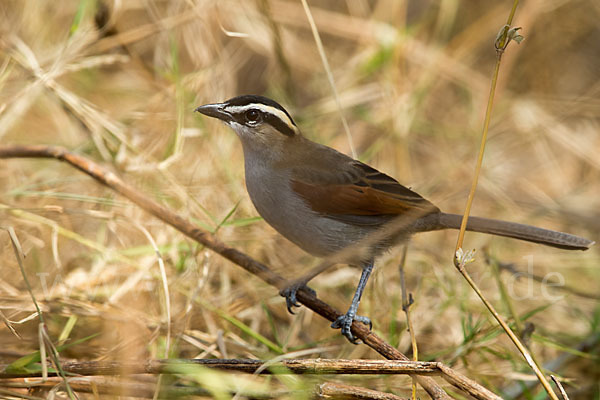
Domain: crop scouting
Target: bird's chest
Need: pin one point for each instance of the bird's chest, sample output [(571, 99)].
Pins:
[(286, 212), (272, 197)]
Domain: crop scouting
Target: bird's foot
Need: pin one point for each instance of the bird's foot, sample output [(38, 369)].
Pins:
[(345, 323), (290, 294)]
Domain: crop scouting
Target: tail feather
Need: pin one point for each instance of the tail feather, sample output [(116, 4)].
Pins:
[(517, 231)]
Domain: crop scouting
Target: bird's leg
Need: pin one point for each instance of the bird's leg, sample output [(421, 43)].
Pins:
[(345, 321)]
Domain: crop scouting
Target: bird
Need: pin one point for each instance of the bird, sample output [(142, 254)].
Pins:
[(325, 201)]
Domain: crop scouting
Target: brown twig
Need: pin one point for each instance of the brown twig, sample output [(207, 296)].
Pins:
[(291, 366), (101, 386), (295, 366), (111, 180), (332, 390), (108, 386)]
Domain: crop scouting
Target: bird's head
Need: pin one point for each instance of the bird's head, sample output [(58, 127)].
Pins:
[(257, 120)]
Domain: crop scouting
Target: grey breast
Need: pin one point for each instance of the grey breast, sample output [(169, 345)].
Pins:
[(286, 212)]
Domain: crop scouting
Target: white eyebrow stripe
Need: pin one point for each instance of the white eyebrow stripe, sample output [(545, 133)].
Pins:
[(265, 108)]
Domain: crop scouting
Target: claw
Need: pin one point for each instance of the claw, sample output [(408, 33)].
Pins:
[(345, 323), (290, 295), (291, 300)]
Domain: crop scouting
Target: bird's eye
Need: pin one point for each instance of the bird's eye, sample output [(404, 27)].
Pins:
[(252, 115)]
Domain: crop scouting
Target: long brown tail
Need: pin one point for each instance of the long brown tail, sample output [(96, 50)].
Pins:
[(517, 231)]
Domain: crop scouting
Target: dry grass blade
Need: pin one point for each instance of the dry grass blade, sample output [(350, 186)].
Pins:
[(407, 301), (9, 325), (560, 387), (44, 339), (166, 296), (317, 37)]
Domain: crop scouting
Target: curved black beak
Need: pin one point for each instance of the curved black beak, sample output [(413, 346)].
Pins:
[(215, 110)]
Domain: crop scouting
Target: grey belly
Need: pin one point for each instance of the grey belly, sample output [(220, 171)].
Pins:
[(292, 218)]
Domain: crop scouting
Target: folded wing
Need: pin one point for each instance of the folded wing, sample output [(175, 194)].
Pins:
[(359, 194)]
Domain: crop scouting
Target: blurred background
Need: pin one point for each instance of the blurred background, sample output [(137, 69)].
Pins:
[(117, 81)]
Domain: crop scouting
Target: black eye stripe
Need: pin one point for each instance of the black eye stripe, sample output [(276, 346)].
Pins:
[(273, 120), (278, 124), (240, 118)]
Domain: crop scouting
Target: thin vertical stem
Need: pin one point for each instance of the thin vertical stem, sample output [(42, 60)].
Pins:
[(407, 301), (461, 258)]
